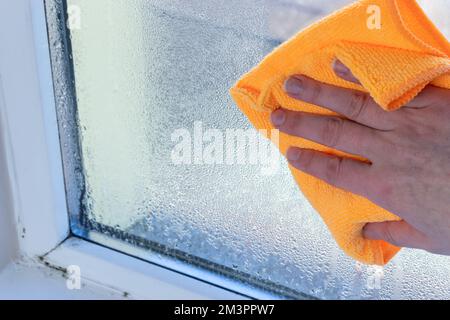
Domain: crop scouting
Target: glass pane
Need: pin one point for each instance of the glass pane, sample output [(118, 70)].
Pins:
[(148, 74)]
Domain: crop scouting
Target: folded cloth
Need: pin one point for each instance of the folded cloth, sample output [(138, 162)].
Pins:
[(393, 63)]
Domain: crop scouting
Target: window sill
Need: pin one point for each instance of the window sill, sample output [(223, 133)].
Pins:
[(31, 281), (105, 274)]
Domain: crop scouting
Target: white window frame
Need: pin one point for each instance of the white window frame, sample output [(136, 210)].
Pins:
[(34, 178)]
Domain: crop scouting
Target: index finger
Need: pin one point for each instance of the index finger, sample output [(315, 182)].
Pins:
[(428, 96), (353, 104)]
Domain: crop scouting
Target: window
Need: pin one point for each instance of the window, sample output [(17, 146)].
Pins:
[(133, 78)]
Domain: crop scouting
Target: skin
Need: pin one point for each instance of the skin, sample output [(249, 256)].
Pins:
[(409, 151)]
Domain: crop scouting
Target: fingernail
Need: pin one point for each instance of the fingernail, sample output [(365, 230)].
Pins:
[(278, 117), (293, 154), (339, 67), (293, 86)]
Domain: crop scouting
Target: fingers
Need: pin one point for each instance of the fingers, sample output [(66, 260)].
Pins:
[(333, 132), (397, 233), (429, 96), (342, 173), (353, 104), (343, 72)]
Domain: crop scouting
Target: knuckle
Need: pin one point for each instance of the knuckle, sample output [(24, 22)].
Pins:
[(364, 186), (332, 131), (295, 123), (315, 89), (381, 190), (306, 159), (333, 170), (388, 234), (423, 129), (358, 103)]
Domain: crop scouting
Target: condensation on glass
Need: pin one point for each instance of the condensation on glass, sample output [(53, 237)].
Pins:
[(135, 71)]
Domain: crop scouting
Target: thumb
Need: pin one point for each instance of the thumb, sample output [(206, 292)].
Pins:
[(397, 233)]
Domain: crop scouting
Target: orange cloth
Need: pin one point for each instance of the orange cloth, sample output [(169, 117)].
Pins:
[(393, 63)]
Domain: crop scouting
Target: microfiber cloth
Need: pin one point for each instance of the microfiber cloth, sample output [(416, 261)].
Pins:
[(393, 63)]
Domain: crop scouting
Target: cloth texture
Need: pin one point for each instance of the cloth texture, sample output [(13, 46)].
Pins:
[(393, 63)]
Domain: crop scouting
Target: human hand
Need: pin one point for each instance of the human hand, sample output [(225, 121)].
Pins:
[(409, 151)]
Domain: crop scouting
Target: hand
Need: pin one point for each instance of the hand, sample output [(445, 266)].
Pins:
[(409, 151)]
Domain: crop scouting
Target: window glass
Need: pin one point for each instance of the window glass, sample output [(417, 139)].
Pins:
[(134, 80)]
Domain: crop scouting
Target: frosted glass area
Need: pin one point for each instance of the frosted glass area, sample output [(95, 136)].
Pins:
[(144, 69)]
